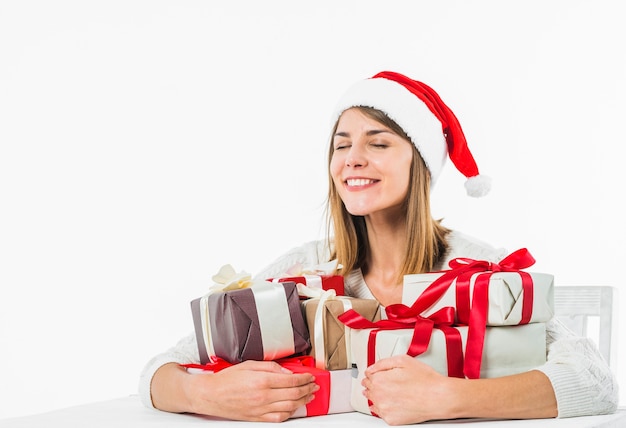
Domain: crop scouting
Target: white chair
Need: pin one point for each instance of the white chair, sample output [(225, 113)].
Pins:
[(580, 307)]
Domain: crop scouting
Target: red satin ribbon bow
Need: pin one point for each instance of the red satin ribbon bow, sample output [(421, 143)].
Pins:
[(470, 312), (404, 317)]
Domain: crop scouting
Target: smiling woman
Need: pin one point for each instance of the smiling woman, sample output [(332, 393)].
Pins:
[(391, 138), (145, 144)]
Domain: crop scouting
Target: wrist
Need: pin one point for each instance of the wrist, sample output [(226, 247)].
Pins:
[(456, 392)]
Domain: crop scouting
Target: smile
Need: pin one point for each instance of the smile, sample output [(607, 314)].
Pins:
[(359, 182)]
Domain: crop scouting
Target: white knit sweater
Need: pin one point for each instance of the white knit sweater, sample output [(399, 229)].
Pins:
[(582, 381)]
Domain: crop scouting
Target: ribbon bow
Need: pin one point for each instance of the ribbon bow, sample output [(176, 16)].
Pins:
[(475, 317), (228, 279), (400, 316)]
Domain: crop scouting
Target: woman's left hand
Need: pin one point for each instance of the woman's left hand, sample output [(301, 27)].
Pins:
[(404, 390)]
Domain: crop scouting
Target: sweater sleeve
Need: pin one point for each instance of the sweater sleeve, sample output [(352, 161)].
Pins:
[(583, 382)]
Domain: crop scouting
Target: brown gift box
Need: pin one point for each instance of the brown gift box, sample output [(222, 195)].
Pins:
[(328, 334)]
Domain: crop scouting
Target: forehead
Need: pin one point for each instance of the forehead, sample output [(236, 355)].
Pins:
[(354, 119)]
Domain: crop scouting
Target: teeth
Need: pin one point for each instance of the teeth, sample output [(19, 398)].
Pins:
[(359, 181)]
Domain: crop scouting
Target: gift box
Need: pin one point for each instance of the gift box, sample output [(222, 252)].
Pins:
[(319, 276), (332, 397), (261, 322), (505, 296), (507, 350), (497, 294), (338, 401), (330, 338), (323, 282)]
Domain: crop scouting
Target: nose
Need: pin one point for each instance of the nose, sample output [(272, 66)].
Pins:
[(356, 157)]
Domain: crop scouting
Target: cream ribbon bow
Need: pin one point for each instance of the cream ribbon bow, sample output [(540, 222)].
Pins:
[(227, 279)]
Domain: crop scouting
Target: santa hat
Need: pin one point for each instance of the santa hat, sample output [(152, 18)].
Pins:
[(428, 122)]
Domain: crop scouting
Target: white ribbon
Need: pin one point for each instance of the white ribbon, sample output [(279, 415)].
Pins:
[(274, 320), (205, 323)]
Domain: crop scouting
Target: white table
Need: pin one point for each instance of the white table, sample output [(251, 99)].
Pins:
[(129, 412)]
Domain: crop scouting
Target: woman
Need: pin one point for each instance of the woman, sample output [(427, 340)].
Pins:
[(391, 138)]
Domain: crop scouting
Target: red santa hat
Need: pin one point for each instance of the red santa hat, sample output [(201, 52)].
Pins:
[(426, 119)]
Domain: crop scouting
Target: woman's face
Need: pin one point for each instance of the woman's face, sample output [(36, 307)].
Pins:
[(370, 165)]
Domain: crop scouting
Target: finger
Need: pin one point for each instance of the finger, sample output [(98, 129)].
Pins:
[(291, 380), (383, 364), (266, 366), (285, 379), (283, 410), (303, 393), (278, 411)]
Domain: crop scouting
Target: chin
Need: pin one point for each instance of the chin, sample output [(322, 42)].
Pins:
[(358, 211)]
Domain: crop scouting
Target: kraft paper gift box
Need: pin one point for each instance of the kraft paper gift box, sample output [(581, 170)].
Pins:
[(509, 297), (330, 338), (507, 350), (332, 397), (261, 322)]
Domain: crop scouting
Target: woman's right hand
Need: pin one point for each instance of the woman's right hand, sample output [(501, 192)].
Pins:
[(249, 391)]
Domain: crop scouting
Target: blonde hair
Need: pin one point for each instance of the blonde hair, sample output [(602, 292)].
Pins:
[(427, 243)]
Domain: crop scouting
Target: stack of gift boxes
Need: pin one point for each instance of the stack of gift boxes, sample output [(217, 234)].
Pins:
[(475, 320)]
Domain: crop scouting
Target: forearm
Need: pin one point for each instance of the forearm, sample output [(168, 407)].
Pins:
[(523, 396), (169, 389)]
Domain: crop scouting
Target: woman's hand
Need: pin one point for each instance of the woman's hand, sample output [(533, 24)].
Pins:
[(249, 391), (404, 390)]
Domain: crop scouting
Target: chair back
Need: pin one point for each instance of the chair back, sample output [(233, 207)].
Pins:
[(587, 311)]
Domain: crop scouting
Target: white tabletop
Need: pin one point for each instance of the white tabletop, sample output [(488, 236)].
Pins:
[(129, 411)]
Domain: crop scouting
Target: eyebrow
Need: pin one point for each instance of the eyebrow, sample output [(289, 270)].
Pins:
[(368, 133)]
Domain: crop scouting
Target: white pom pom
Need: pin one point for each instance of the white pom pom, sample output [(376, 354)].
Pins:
[(478, 186)]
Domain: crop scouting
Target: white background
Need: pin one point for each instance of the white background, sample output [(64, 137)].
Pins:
[(144, 144)]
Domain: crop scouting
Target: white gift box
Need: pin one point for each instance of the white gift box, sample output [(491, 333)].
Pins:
[(340, 389), (507, 350), (505, 296)]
